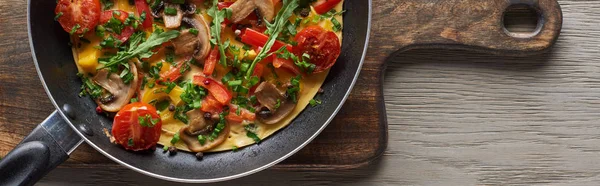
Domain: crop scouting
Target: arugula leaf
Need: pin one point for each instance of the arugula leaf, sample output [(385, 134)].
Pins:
[(215, 29), (142, 50), (273, 30)]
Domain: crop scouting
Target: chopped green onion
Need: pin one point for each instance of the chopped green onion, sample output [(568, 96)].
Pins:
[(175, 138), (170, 11), (234, 83), (194, 31)]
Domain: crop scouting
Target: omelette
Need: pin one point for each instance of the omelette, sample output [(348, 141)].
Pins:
[(201, 75)]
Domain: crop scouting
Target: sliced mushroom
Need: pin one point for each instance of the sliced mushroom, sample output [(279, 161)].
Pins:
[(172, 21), (203, 37), (197, 123), (193, 143), (242, 8), (276, 105), (120, 93), (188, 8), (266, 8), (157, 11), (186, 43)]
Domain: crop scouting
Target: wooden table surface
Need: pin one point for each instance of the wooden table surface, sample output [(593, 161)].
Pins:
[(455, 117)]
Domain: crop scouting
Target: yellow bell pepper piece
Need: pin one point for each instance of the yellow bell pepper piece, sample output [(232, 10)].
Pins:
[(88, 59)]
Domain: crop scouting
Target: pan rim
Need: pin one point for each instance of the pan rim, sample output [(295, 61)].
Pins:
[(211, 180)]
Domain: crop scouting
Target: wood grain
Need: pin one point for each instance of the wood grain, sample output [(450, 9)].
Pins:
[(455, 117)]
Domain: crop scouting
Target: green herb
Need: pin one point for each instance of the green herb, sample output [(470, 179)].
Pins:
[(155, 4), (192, 95), (74, 29), (170, 86), (220, 126), (90, 88), (143, 50), (314, 102), (106, 4), (201, 139), (110, 42), (234, 148), (170, 11), (273, 30), (278, 104), (126, 76), (165, 148), (184, 67), (175, 138), (194, 31), (180, 114), (302, 62), (100, 30), (170, 56), (58, 16), (133, 100), (155, 71), (114, 25), (234, 83), (147, 121), (130, 142), (215, 29), (178, 1), (294, 88), (251, 132), (336, 25)]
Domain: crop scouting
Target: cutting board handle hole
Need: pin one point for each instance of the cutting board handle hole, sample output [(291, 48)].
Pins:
[(522, 21)]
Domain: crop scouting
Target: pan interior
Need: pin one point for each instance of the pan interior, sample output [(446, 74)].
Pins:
[(54, 60)]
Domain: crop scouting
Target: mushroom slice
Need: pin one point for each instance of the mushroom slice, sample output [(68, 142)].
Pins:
[(197, 123), (185, 44), (277, 105), (266, 8), (188, 8), (172, 21), (193, 143), (157, 11), (121, 93), (241, 9), (203, 37)]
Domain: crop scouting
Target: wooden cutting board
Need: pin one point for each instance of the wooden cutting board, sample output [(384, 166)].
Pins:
[(358, 134)]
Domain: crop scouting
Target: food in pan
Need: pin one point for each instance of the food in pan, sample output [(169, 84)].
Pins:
[(201, 75)]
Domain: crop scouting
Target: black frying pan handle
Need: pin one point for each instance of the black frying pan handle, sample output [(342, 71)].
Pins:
[(47, 146)]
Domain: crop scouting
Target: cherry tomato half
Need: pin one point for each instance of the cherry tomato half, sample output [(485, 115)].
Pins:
[(133, 135), (322, 46), (78, 15)]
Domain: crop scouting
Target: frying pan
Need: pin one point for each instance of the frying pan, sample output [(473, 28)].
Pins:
[(75, 119)]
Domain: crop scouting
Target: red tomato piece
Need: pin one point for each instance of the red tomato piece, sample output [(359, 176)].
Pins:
[(174, 72), (129, 133), (323, 6), (121, 16), (257, 39), (258, 70), (215, 88), (286, 64), (322, 46), (78, 15), (106, 15), (222, 5), (244, 114), (142, 7), (211, 105), (211, 61)]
